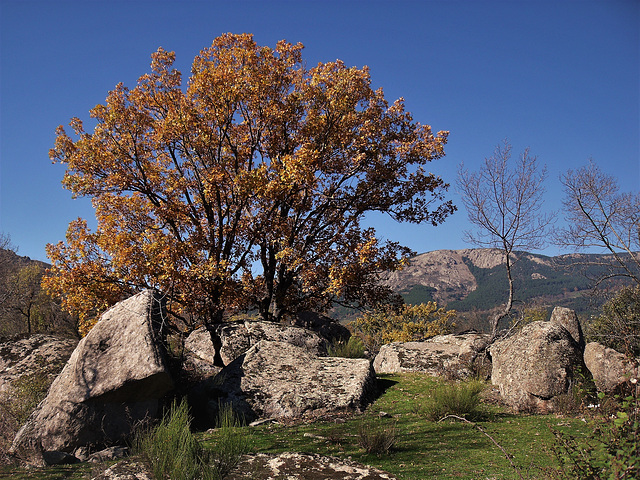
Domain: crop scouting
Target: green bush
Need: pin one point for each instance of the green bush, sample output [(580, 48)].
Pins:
[(174, 452), (611, 452), (353, 348), (618, 326), (27, 392), (461, 399), (230, 445)]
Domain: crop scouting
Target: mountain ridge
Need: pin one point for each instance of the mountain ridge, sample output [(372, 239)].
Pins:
[(475, 279)]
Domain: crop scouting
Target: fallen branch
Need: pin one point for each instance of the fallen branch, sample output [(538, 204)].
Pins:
[(489, 437)]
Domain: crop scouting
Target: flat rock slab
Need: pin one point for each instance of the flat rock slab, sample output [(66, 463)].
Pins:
[(438, 355), (113, 379), (280, 380), (297, 466), (125, 470), (289, 466)]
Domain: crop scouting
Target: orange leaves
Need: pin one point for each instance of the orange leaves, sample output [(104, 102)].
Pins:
[(256, 160)]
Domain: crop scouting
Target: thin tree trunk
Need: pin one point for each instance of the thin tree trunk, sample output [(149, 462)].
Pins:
[(508, 306)]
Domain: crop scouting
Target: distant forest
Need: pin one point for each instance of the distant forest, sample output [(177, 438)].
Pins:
[(548, 284)]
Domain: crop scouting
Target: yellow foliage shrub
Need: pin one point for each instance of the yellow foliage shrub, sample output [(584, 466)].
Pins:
[(413, 323)]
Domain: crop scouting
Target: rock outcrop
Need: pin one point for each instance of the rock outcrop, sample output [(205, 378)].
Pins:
[(443, 355), (292, 466), (569, 320), (535, 365), (610, 369), (280, 380), (298, 466), (40, 354), (238, 337), (114, 379), (326, 327), (28, 366)]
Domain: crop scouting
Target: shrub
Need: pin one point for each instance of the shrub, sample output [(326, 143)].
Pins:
[(376, 438), (230, 444), (26, 393), (611, 452), (527, 315), (353, 348), (174, 452), (412, 323), (618, 326), (582, 393), (461, 399)]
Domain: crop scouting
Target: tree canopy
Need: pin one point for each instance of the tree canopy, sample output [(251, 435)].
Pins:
[(244, 189)]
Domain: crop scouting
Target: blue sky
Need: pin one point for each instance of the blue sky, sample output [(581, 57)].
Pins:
[(560, 77)]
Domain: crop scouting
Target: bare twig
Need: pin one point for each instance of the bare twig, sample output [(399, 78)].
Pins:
[(489, 437)]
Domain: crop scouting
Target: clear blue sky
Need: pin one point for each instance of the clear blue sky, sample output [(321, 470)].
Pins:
[(560, 77)]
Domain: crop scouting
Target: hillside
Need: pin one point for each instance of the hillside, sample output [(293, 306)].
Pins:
[(474, 280)]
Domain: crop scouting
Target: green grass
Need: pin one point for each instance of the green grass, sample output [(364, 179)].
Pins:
[(428, 449), (422, 448), (61, 472)]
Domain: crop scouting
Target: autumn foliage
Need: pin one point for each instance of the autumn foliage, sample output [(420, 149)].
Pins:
[(244, 189), (411, 323)]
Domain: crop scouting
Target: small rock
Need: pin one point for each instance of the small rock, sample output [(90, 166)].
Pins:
[(111, 453)]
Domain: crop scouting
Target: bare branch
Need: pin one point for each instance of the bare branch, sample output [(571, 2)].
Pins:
[(504, 202), (598, 215)]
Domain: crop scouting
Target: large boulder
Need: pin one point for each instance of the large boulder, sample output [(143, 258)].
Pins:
[(610, 369), (280, 380), (113, 380), (236, 338), (442, 355), (535, 365), (199, 360)]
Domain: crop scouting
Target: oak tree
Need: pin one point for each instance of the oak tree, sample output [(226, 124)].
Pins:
[(244, 189), (504, 202)]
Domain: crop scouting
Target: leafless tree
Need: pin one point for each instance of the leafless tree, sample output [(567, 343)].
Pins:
[(504, 202), (598, 215)]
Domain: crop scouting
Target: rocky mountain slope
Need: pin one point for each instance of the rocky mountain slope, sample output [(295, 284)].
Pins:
[(475, 279)]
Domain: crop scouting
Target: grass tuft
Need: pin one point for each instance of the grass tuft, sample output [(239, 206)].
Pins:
[(376, 438), (172, 450), (462, 399), (353, 348)]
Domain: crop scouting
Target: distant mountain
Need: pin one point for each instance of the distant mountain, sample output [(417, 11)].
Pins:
[(474, 280)]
